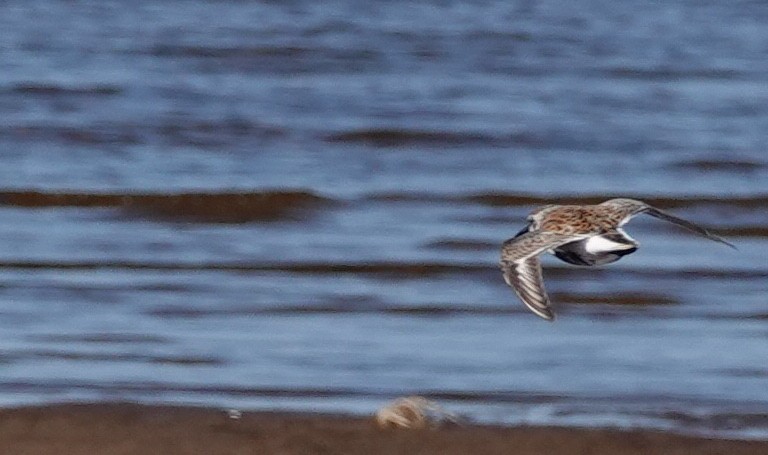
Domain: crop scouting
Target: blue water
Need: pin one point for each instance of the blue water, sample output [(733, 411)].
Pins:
[(294, 205)]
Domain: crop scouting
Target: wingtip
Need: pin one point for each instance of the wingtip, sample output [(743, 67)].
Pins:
[(724, 242), (548, 316)]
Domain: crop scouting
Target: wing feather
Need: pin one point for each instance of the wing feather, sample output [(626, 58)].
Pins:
[(522, 268), (526, 279), (631, 207), (662, 215)]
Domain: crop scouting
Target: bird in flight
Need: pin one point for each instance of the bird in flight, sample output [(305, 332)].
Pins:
[(586, 235)]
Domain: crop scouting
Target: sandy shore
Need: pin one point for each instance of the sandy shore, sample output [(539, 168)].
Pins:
[(132, 429)]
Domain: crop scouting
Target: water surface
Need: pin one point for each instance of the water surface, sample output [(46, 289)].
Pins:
[(299, 206)]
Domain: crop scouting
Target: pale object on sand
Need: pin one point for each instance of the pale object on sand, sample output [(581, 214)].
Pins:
[(413, 413)]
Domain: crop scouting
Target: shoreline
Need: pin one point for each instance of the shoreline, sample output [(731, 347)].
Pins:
[(123, 428)]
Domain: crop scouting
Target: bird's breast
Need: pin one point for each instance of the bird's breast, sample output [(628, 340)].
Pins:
[(596, 250), (606, 244)]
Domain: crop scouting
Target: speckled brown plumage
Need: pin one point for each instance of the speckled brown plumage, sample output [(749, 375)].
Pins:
[(578, 234)]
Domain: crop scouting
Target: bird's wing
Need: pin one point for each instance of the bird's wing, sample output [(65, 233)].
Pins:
[(632, 207), (526, 279), (522, 268), (657, 213)]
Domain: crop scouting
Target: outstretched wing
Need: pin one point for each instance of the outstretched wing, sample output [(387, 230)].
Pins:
[(522, 268), (657, 213), (632, 207), (526, 279)]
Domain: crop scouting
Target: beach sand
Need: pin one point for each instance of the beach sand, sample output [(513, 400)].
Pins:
[(135, 429)]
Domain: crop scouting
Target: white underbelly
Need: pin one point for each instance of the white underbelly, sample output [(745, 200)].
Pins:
[(599, 244)]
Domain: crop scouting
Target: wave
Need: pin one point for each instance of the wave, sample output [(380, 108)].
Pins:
[(720, 165), (190, 207), (192, 51), (32, 88), (198, 133), (384, 270), (93, 135), (101, 338), (215, 132), (180, 312), (625, 298), (280, 59), (155, 387), (278, 392), (437, 310), (400, 137), (256, 205), (111, 357), (718, 421), (672, 74), (527, 200)]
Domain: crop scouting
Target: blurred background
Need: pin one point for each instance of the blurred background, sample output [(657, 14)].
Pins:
[(299, 205)]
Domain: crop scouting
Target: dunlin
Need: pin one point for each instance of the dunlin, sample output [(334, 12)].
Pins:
[(586, 235)]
